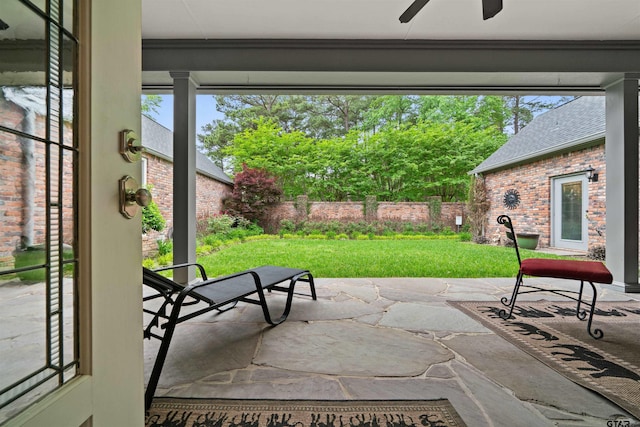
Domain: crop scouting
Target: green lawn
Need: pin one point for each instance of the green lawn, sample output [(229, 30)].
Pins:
[(370, 258)]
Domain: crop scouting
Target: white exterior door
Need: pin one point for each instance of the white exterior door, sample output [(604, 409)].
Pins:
[(570, 201)]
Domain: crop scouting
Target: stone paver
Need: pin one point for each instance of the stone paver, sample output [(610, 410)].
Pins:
[(531, 380), (429, 317), (348, 349), (202, 349), (383, 339)]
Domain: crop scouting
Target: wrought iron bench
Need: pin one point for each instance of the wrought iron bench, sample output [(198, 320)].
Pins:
[(584, 271), (220, 294)]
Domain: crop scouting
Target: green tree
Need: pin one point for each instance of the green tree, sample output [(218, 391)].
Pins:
[(483, 111), (269, 147), (524, 108), (150, 104), (396, 110), (428, 159), (342, 112), (216, 136)]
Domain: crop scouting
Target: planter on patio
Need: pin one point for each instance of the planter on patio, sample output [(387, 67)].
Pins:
[(526, 240)]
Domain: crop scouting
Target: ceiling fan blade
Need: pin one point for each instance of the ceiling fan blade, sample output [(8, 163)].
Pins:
[(490, 8), (412, 10)]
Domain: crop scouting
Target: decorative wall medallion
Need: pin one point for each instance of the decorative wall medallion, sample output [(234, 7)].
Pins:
[(511, 199)]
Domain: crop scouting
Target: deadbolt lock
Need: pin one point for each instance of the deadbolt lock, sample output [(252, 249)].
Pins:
[(132, 197), (130, 146)]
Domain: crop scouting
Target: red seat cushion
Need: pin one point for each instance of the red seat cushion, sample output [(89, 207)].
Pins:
[(592, 271)]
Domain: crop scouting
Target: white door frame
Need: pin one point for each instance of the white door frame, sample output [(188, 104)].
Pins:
[(556, 213)]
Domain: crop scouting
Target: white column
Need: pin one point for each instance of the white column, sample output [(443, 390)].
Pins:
[(621, 149), (184, 173)]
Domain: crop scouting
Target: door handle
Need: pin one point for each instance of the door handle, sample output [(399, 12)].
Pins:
[(132, 197), (130, 146)]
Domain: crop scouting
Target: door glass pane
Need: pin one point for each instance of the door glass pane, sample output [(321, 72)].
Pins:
[(38, 203), (572, 211)]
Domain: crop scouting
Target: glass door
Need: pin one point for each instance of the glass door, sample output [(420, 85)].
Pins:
[(569, 211)]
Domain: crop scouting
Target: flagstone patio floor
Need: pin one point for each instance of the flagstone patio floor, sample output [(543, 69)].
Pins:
[(386, 339)]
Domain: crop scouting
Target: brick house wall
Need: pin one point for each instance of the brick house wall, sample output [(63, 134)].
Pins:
[(10, 189), (12, 212), (534, 180), (210, 195)]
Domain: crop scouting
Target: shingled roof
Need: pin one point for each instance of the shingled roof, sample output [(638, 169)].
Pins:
[(578, 123), (158, 140)]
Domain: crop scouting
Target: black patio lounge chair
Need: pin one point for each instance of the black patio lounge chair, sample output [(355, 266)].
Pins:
[(584, 271), (221, 294)]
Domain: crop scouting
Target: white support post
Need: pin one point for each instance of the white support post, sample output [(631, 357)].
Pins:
[(621, 148), (184, 174)]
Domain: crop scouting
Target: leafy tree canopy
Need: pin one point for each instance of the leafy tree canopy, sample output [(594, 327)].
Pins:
[(150, 104), (396, 147)]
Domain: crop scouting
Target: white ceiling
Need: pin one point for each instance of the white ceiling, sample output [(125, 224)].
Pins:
[(446, 20), (378, 19)]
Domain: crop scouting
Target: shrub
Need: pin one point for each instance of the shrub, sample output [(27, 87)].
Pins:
[(220, 224), (149, 263), (254, 191), (465, 236), (203, 250), (211, 240), (164, 246), (152, 219), (287, 226), (165, 259)]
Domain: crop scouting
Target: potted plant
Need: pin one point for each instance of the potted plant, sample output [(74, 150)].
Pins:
[(526, 240)]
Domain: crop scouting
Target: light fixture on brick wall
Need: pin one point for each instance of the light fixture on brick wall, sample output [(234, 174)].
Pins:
[(592, 175)]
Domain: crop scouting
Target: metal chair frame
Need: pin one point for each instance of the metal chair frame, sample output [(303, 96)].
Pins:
[(220, 294), (581, 313)]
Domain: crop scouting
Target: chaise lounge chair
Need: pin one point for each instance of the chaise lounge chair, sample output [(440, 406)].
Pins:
[(221, 294)]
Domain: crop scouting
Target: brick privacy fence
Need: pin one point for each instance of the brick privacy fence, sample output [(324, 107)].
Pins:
[(209, 196), (414, 212), (533, 181)]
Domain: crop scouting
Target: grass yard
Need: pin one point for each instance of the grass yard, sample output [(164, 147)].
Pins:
[(371, 258)]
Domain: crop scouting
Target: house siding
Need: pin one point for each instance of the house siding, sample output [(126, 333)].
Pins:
[(533, 181), (210, 195)]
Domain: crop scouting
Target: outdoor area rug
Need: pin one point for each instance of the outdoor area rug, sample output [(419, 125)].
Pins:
[(550, 332), (178, 412)]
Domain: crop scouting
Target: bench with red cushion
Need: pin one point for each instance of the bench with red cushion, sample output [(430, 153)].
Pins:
[(584, 271), (591, 271)]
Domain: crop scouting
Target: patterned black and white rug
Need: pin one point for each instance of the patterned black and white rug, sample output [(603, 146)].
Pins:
[(551, 332), (177, 412)]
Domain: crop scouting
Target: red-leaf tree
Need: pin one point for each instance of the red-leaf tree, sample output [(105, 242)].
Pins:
[(254, 191)]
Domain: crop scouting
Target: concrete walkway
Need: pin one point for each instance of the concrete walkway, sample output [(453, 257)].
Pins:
[(383, 339)]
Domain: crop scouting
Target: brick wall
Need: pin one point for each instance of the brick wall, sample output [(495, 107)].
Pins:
[(10, 197), (534, 180), (209, 196), (12, 171), (415, 212)]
